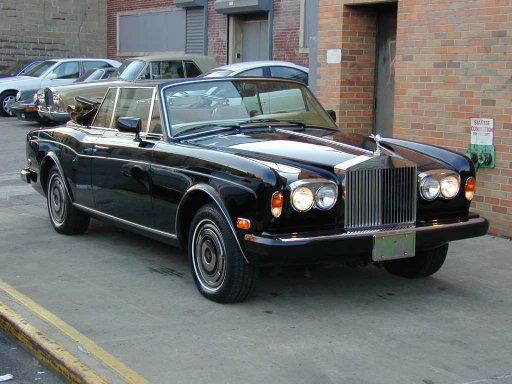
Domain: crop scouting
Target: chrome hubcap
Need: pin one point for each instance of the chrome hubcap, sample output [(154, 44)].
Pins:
[(209, 255), (57, 200), (7, 102)]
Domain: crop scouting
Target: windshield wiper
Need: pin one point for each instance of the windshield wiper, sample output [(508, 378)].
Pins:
[(217, 128), (299, 124)]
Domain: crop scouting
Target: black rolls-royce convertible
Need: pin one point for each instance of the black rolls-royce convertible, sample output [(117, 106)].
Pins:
[(247, 172)]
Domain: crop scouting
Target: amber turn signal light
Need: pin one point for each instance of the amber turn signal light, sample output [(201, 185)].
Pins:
[(243, 223), (470, 188), (277, 204)]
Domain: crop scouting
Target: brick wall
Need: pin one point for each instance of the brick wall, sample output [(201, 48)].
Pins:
[(347, 87), (217, 34), (453, 65), (58, 28), (286, 30), (454, 62)]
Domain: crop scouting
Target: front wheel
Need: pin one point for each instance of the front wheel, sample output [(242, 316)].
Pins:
[(220, 271), (424, 264), (65, 218), (6, 100)]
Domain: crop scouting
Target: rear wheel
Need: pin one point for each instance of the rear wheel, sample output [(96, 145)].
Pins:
[(6, 100), (65, 218), (424, 264), (220, 271)]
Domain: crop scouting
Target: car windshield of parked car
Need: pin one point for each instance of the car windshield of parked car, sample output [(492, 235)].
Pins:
[(19, 68), (40, 69), (199, 107), (132, 70), (219, 73)]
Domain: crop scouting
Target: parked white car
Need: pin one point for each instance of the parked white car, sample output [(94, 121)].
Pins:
[(268, 68), (52, 72)]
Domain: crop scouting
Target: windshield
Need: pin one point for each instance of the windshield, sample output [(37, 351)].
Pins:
[(40, 69), (131, 70), (20, 67), (219, 73), (92, 75), (205, 105)]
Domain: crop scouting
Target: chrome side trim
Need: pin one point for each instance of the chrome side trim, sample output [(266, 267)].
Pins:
[(152, 165), (353, 234), (126, 222)]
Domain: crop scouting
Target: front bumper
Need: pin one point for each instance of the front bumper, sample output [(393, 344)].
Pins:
[(350, 247), (27, 112), (58, 117), (28, 175)]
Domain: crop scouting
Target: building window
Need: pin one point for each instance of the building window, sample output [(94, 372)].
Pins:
[(305, 25)]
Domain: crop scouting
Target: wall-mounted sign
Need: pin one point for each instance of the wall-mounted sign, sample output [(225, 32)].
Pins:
[(482, 131), (333, 56)]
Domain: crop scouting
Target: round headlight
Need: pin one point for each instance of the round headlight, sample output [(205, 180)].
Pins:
[(449, 186), (429, 188), (57, 100), (39, 98), (326, 197), (302, 199)]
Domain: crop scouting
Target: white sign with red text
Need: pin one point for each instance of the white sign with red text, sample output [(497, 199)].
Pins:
[(482, 131)]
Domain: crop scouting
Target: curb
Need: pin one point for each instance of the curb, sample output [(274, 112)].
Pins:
[(53, 353), (46, 350)]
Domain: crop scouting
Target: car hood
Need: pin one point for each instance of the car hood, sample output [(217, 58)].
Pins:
[(320, 148), (17, 79)]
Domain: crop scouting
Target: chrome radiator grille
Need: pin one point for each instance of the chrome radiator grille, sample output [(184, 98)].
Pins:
[(48, 98), (380, 197)]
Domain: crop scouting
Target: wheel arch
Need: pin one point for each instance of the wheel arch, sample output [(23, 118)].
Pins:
[(47, 163), (196, 197), (12, 90)]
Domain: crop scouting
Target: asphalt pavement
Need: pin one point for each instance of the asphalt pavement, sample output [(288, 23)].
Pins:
[(126, 308)]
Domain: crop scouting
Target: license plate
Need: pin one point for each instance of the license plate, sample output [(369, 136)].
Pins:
[(393, 246)]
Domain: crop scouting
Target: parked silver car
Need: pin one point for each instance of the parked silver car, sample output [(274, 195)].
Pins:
[(49, 72), (268, 68)]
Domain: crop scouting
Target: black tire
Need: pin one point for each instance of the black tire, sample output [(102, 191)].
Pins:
[(220, 271), (6, 99), (65, 218), (424, 264)]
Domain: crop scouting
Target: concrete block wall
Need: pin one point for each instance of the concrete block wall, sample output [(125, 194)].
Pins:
[(52, 28)]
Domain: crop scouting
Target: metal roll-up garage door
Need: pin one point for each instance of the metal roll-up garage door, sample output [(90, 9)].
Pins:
[(195, 31)]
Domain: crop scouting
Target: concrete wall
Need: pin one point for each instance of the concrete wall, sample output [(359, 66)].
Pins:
[(52, 28), (453, 63)]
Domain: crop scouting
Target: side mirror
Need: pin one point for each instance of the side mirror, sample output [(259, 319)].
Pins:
[(332, 114), (51, 76), (130, 125)]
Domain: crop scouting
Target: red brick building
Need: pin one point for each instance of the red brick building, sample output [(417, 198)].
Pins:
[(415, 69), (424, 78), (218, 27)]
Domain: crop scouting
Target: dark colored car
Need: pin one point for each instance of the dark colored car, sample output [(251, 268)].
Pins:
[(20, 67), (28, 110), (245, 172)]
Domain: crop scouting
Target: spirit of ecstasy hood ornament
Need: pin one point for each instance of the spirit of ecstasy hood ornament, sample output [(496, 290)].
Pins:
[(377, 138)]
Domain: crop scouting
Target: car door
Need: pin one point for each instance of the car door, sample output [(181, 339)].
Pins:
[(121, 180)]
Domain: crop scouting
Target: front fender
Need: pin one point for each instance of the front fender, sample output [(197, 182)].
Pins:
[(196, 196), (47, 163)]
